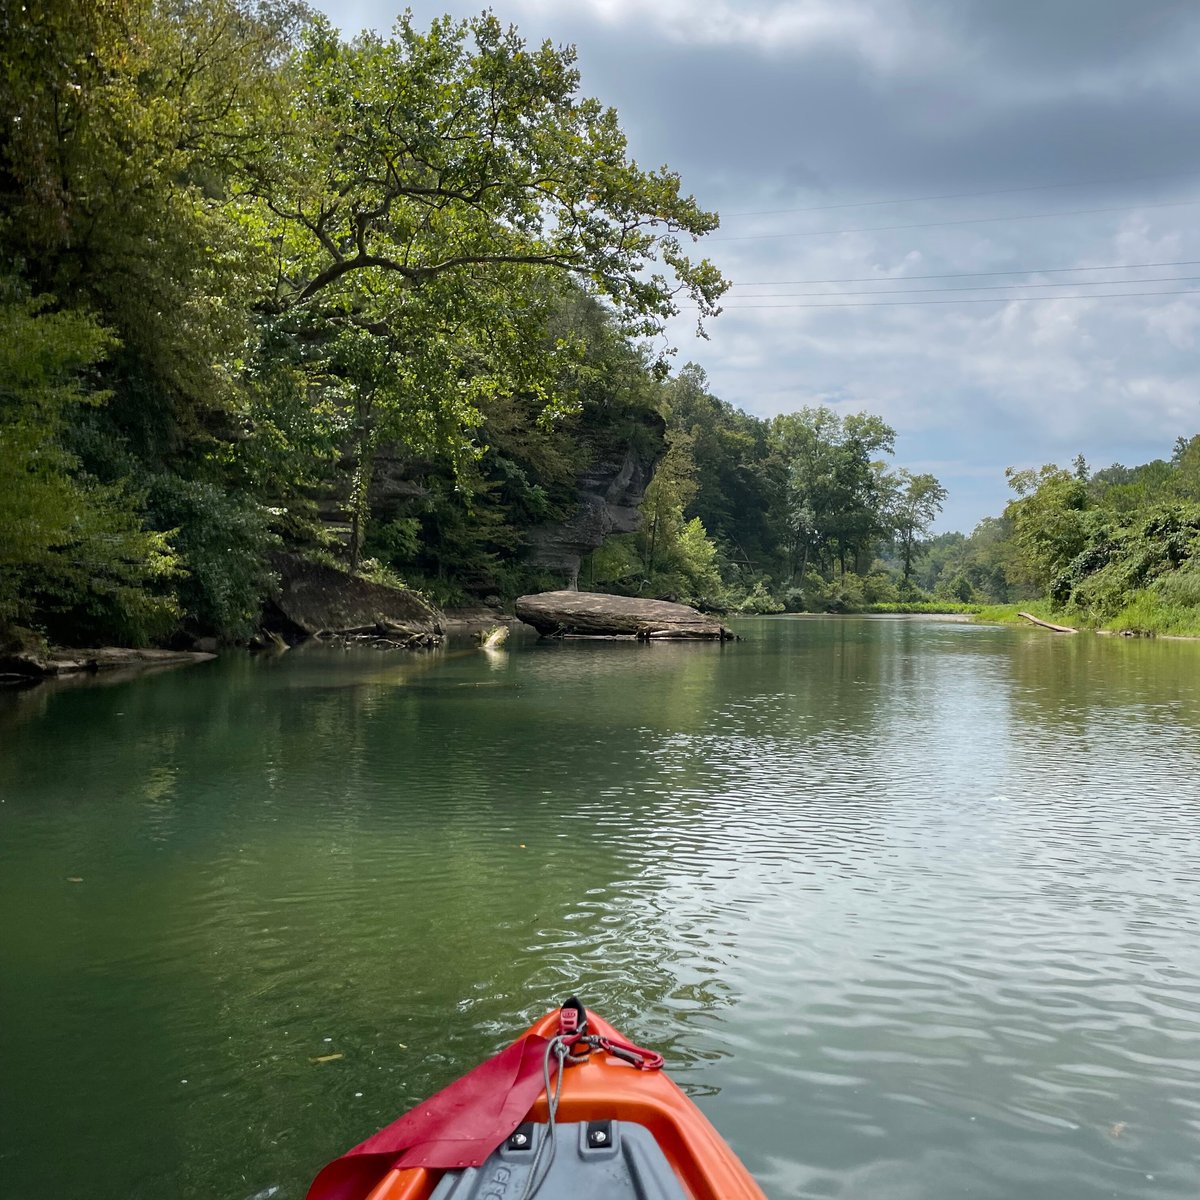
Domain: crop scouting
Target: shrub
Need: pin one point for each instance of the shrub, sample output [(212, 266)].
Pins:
[(222, 540), (759, 601)]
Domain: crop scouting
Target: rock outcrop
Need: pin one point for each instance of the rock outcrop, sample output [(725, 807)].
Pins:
[(609, 494), (315, 599), (565, 613)]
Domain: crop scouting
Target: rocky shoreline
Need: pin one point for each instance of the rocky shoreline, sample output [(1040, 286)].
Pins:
[(321, 603)]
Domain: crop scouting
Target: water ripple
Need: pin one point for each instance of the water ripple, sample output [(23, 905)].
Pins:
[(912, 908)]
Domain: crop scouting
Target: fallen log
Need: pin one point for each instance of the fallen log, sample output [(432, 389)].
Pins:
[(708, 631), (1046, 624)]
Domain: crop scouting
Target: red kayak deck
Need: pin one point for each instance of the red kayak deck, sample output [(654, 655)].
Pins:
[(602, 1088)]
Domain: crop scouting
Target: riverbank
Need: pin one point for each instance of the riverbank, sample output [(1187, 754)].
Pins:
[(1146, 615)]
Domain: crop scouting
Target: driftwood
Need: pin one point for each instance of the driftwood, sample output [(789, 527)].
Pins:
[(705, 631), (1046, 624)]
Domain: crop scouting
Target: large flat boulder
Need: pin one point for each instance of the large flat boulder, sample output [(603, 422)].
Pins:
[(598, 615)]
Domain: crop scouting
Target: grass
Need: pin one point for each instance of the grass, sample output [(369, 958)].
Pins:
[(1007, 614), (933, 607), (1148, 613)]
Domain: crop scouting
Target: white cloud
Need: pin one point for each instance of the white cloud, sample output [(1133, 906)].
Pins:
[(770, 27)]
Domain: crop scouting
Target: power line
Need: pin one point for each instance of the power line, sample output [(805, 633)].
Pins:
[(1070, 212), (988, 287), (1037, 187), (975, 300), (1187, 262)]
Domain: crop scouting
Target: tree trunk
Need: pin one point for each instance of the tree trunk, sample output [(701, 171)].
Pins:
[(360, 496), (653, 539)]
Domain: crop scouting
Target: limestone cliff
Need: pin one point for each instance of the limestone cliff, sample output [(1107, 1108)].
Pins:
[(609, 492)]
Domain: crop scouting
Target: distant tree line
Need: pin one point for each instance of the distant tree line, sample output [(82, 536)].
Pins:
[(799, 511), (1117, 547)]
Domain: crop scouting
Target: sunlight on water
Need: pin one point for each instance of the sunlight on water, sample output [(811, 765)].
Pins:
[(911, 907)]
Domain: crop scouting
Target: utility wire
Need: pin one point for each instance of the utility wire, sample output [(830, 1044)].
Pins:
[(987, 287), (973, 300), (1037, 187), (1070, 212), (1188, 262)]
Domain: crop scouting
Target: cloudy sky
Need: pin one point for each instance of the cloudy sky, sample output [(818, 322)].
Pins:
[(1041, 149)]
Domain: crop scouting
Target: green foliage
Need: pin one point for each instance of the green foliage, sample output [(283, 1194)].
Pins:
[(880, 587), (979, 567), (613, 566), (440, 592), (837, 495), (1181, 587), (316, 255), (1149, 612), (222, 540), (1008, 614), (1051, 520), (373, 571), (428, 199), (917, 502), (738, 475), (71, 547), (696, 562), (1119, 561), (760, 602), (923, 607), (454, 151)]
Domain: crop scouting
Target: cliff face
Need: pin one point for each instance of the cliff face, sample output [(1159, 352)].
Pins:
[(622, 446), (609, 494)]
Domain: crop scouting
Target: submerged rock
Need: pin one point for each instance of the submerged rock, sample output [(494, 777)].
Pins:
[(45, 664), (594, 614)]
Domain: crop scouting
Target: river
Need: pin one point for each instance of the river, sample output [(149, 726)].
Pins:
[(912, 907)]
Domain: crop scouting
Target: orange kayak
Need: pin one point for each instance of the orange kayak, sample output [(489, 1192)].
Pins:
[(569, 1110)]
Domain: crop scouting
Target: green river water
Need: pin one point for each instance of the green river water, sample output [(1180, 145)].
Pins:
[(911, 907)]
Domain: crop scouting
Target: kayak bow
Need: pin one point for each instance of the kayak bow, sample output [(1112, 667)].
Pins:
[(570, 1109)]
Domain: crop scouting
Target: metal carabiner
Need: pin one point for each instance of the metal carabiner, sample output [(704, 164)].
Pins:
[(644, 1060)]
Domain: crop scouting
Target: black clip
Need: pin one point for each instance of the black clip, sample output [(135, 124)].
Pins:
[(521, 1138), (599, 1135)]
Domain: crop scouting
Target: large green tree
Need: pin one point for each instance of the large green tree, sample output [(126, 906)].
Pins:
[(919, 499), (836, 496), (424, 190), (122, 123)]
